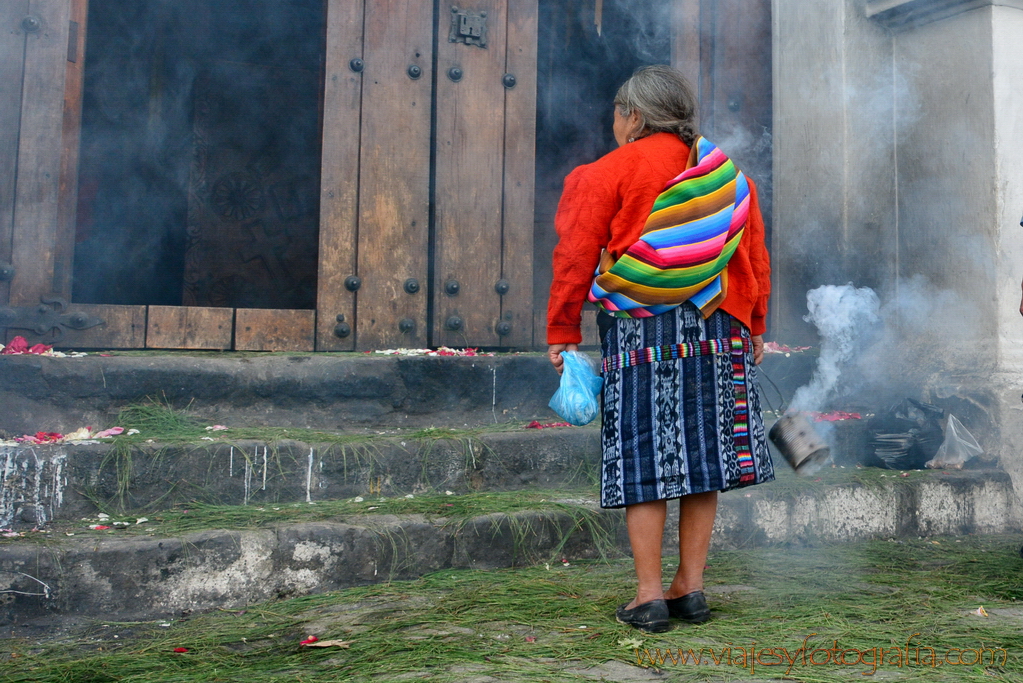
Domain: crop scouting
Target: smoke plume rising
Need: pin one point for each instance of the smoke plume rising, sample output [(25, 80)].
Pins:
[(842, 315)]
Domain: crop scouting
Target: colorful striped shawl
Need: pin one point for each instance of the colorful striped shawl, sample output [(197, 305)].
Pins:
[(693, 229)]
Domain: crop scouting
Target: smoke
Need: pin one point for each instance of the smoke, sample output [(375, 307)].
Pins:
[(927, 334), (842, 315), (750, 149), (876, 353)]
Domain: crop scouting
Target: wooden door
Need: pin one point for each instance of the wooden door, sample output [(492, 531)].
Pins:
[(426, 179), (724, 46), (375, 287), (375, 220), (486, 125), (41, 68), (43, 48)]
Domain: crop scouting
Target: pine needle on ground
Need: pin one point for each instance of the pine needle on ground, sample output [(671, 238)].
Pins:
[(555, 623)]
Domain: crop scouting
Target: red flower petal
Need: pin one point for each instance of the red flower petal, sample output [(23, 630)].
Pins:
[(536, 425), (181, 649), (17, 345), (310, 639)]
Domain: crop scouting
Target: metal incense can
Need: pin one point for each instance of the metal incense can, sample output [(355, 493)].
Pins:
[(797, 440)]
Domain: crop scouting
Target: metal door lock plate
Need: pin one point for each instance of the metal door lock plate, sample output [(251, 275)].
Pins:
[(468, 27)]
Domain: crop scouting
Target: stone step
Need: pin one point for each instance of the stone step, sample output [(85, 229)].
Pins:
[(322, 391), (66, 481), (127, 575), (319, 391), (41, 483)]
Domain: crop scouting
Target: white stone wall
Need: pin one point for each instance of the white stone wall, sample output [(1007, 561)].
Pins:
[(1007, 70), (834, 170), (899, 166), (946, 174)]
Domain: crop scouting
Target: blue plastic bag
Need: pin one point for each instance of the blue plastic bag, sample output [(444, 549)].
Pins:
[(576, 401)]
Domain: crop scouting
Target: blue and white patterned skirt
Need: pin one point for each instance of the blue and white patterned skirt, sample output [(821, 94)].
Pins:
[(682, 426)]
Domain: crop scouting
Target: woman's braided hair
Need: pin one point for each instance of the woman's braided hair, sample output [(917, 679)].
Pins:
[(664, 100)]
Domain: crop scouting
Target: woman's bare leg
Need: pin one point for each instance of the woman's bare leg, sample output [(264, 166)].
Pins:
[(695, 524), (645, 522)]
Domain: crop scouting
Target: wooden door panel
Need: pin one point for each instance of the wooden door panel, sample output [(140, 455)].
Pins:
[(519, 177), (189, 327), (685, 39), (339, 176), (39, 152), (12, 64), (257, 329), (469, 182), (74, 80), (394, 175), (123, 327), (375, 184)]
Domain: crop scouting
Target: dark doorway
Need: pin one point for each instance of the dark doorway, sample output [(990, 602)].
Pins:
[(586, 50), (200, 153)]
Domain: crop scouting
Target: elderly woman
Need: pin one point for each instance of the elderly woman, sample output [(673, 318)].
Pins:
[(665, 235)]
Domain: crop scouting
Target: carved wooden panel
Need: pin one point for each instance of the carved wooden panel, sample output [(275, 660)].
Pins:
[(253, 190)]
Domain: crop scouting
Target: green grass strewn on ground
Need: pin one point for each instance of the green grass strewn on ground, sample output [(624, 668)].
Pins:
[(554, 623), (439, 508), (156, 420)]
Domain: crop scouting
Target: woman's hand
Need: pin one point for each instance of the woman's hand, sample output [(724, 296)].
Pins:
[(554, 354), (758, 348)]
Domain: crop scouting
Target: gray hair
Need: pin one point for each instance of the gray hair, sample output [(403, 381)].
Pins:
[(664, 100)]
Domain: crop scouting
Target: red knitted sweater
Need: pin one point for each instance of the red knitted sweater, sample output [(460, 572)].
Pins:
[(606, 204)]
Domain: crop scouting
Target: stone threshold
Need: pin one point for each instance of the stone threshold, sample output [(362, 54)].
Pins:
[(321, 391)]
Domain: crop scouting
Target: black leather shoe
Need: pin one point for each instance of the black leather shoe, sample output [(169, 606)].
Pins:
[(651, 617), (692, 608)]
